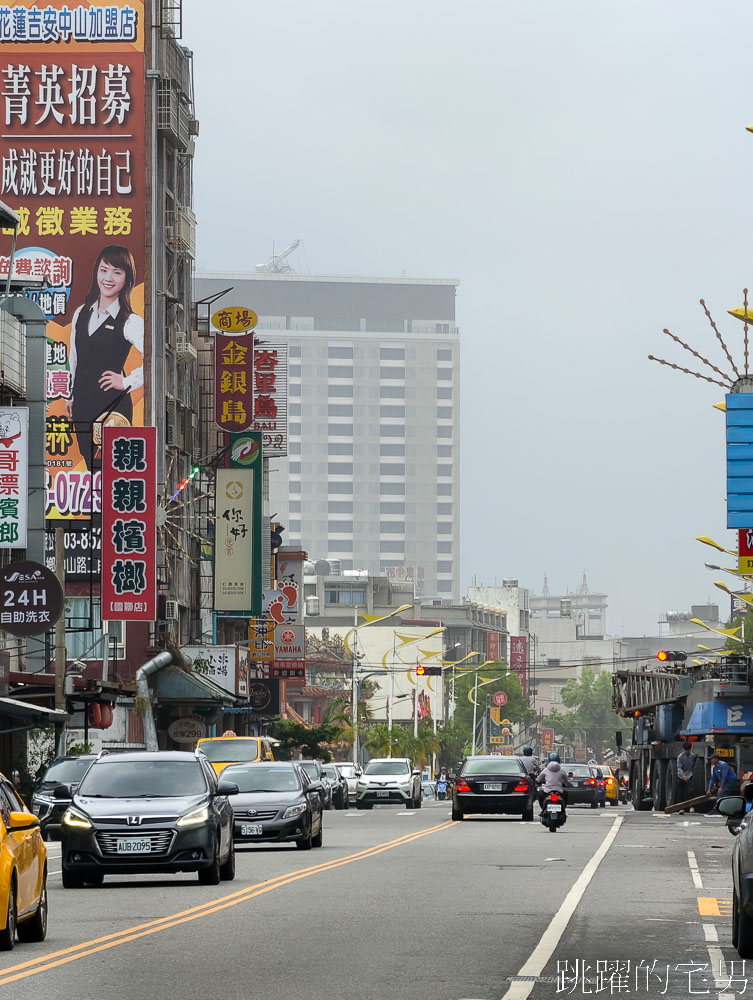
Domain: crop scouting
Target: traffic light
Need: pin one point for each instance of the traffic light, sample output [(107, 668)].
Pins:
[(422, 671), (276, 536), (671, 655)]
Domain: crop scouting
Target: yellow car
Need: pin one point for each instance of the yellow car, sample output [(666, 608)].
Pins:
[(613, 788), (232, 749), (23, 872)]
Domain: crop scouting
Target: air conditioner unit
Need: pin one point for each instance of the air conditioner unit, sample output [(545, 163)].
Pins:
[(172, 611), (169, 233), (173, 428), (185, 352)]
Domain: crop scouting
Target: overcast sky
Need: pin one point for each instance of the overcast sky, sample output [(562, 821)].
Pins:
[(583, 168)]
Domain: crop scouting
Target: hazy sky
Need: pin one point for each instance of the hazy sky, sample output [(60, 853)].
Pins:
[(583, 168)]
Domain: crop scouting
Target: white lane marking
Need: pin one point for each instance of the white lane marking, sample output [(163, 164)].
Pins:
[(716, 957), (544, 950), (693, 865)]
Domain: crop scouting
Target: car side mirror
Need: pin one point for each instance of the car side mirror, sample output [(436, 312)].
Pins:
[(571, 774), (732, 806), (22, 821), (61, 792), (227, 788)]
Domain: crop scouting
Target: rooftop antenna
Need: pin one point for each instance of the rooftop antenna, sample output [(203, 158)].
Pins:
[(545, 588)]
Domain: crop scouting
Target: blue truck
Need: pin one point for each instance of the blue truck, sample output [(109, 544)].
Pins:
[(710, 704)]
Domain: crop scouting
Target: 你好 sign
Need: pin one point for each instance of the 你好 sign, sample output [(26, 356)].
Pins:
[(290, 642), (233, 382), (234, 540), (14, 476), (31, 598), (129, 524)]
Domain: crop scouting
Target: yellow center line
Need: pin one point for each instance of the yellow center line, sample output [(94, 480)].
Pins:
[(46, 962)]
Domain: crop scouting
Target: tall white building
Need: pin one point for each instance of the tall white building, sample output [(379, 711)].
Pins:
[(372, 474)]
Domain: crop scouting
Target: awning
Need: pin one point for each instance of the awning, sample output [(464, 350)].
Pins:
[(24, 710), (174, 684)]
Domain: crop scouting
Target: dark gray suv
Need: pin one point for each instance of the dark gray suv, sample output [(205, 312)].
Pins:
[(146, 813)]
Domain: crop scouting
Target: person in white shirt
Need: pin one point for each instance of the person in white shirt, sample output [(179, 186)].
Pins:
[(104, 331)]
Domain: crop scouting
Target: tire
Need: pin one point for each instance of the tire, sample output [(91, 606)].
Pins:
[(360, 805), (35, 928), (744, 932), (671, 785), (8, 935), (97, 878), (614, 802), (553, 826), (457, 815), (305, 844), (417, 804), (528, 815), (318, 839), (211, 875), (71, 880), (227, 870), (602, 805), (595, 804), (735, 919), (346, 802), (637, 789), (410, 804), (658, 785)]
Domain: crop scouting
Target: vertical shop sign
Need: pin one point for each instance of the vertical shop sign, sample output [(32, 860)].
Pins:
[(129, 524), (14, 476), (271, 398), (72, 165), (519, 659), (233, 551), (492, 645), (233, 381)]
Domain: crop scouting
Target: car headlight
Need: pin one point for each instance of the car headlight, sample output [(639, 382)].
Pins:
[(293, 811), (75, 819), (363, 784), (44, 798), (195, 818)]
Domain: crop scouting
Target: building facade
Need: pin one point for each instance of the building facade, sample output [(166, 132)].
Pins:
[(373, 469)]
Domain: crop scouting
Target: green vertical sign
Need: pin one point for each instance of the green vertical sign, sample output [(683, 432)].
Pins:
[(246, 453)]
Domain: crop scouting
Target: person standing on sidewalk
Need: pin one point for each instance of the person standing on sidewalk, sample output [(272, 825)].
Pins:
[(686, 765)]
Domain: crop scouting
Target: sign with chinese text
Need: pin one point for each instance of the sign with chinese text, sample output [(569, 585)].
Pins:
[(408, 574), (745, 551), (519, 659), (499, 698), (283, 604), (32, 598), (233, 382), (73, 167), (217, 663), (235, 319), (14, 476), (129, 524), (234, 550), (264, 696), (492, 645), (187, 729), (271, 398), (547, 739), (83, 550), (261, 640), (290, 642), (288, 669)]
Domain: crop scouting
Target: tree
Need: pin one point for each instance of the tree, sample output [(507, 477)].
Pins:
[(380, 742), (591, 715), (517, 709), (311, 741)]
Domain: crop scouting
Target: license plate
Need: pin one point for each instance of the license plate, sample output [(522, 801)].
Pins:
[(555, 809), (251, 829), (493, 786), (134, 845), (383, 795)]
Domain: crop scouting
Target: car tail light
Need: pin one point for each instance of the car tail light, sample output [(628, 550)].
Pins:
[(610, 781), (462, 787), (554, 797), (522, 787), (602, 784), (591, 781)]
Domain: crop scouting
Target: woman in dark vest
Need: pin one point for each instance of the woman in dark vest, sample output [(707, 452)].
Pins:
[(104, 330)]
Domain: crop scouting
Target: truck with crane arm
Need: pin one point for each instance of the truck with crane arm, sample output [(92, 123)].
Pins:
[(709, 704)]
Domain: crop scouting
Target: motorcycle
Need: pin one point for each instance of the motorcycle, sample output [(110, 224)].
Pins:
[(441, 789), (553, 813), (624, 790)]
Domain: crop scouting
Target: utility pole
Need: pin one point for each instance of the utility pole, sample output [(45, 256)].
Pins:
[(475, 709), (354, 709), (60, 699)]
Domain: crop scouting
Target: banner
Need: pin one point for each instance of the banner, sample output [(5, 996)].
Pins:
[(234, 381), (129, 524), (261, 640), (519, 659), (73, 157), (271, 398), (14, 476), (492, 645)]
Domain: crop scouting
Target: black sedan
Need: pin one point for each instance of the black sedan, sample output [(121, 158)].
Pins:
[(340, 799), (491, 784), (276, 803), (583, 785), (50, 808), (740, 824)]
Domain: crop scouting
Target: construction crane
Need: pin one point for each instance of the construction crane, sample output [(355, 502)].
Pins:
[(276, 263)]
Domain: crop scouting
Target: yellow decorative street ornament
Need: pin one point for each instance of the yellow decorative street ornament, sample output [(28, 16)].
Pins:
[(715, 545), (371, 620), (729, 633)]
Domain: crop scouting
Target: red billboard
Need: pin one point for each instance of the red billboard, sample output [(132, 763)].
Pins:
[(129, 524), (234, 381), (72, 165), (519, 658)]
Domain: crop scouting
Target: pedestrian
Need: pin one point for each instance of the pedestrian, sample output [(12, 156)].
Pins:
[(686, 764), (723, 778)]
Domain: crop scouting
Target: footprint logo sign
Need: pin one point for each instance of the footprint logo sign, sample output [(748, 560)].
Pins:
[(284, 605)]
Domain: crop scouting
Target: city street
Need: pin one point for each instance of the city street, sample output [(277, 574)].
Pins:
[(406, 904)]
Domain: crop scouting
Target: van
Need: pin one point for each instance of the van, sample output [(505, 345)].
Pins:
[(224, 750)]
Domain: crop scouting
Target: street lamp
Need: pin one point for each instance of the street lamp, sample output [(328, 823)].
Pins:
[(714, 545)]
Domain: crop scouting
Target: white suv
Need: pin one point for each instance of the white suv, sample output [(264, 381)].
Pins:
[(389, 779)]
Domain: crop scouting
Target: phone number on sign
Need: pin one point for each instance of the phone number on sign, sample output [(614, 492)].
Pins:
[(71, 493)]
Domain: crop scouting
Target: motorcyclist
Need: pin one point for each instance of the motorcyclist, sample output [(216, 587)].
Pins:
[(552, 779), (528, 762)]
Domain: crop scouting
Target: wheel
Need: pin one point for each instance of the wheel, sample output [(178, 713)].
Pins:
[(304, 843), (658, 785), (595, 804), (211, 875), (528, 815), (602, 805), (360, 805), (637, 789), (410, 804), (456, 814), (317, 840), (417, 803), (735, 919), (8, 935), (227, 870), (672, 786), (97, 878), (553, 826), (744, 932), (71, 880), (346, 802), (614, 802), (35, 928)]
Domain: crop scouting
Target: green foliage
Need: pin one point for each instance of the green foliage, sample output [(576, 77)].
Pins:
[(402, 743), (517, 709), (591, 716), (311, 741), (76, 749)]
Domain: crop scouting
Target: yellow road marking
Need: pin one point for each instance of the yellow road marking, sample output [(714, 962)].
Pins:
[(713, 906), (45, 962)]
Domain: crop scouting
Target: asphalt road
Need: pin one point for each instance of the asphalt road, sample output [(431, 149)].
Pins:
[(402, 904)]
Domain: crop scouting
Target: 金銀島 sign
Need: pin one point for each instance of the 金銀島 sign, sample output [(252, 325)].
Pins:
[(233, 382), (14, 476), (129, 524)]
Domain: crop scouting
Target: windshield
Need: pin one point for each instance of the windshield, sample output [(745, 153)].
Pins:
[(263, 779), (581, 770), (331, 772), (493, 765), (68, 770), (311, 769), (222, 751), (387, 767), (121, 779), (347, 770)]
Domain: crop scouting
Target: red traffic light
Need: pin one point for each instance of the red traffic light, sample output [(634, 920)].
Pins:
[(420, 669), (671, 655)]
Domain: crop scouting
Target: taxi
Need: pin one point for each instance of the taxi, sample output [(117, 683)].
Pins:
[(231, 749), (613, 786), (23, 871)]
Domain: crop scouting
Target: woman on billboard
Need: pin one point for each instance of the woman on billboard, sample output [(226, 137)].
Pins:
[(103, 332)]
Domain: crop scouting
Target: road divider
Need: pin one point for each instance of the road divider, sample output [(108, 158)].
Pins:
[(53, 960)]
